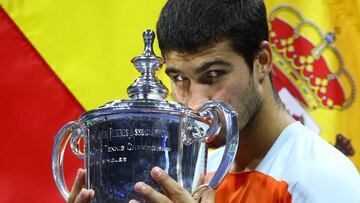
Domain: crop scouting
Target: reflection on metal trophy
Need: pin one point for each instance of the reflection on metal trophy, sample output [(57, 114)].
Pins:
[(125, 139)]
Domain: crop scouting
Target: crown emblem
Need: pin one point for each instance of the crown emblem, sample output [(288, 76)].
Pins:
[(307, 63)]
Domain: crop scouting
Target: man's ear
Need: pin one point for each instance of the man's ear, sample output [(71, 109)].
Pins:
[(263, 61)]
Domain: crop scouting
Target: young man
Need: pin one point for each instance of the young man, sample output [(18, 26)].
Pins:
[(218, 49)]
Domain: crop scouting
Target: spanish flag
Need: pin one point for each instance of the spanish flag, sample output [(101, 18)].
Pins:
[(59, 59), (316, 67)]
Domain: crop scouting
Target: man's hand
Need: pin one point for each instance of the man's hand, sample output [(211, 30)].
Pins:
[(79, 194), (173, 191)]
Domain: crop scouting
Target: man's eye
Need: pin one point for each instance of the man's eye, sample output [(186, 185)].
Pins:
[(215, 74), (179, 78)]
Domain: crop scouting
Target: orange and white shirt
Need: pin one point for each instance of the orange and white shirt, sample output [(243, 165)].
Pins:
[(299, 167)]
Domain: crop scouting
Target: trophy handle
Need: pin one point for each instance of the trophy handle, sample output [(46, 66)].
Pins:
[(210, 109), (73, 132)]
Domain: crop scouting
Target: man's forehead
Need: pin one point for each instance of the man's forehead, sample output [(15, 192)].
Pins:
[(216, 50)]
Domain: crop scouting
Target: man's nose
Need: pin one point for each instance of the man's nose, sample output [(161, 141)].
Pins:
[(199, 95)]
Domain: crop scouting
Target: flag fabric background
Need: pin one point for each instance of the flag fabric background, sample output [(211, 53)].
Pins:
[(61, 58), (316, 66)]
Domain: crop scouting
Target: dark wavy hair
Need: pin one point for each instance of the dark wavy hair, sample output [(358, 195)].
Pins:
[(187, 25)]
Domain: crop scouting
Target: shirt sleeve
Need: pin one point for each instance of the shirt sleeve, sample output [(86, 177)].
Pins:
[(338, 184)]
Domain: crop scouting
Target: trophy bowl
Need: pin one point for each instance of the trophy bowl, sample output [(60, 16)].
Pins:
[(124, 139)]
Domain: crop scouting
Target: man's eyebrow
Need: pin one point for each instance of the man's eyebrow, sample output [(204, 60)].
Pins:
[(170, 69), (208, 65), (202, 68)]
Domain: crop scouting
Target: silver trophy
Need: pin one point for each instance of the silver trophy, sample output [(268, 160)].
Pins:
[(125, 139)]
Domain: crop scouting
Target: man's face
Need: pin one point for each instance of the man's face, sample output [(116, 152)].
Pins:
[(214, 73)]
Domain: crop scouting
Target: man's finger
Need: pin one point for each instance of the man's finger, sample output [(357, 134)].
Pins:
[(150, 194), (209, 195), (85, 196), (172, 188), (77, 186)]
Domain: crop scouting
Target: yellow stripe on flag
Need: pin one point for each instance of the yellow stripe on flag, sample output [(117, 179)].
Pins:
[(88, 44)]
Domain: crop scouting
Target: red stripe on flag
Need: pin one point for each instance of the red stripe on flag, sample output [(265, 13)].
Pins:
[(34, 105)]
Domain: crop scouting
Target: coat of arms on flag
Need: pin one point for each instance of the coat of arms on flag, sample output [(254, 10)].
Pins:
[(309, 71)]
